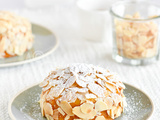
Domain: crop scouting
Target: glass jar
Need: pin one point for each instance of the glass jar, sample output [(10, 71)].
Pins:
[(135, 32)]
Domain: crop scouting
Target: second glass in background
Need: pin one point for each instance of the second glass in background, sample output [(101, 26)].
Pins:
[(135, 32)]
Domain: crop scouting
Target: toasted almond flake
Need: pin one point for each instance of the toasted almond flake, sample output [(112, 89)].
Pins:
[(46, 87), (73, 99), (55, 114), (100, 106), (66, 96), (89, 96), (116, 98), (55, 91), (67, 117), (77, 111), (66, 107), (49, 117), (101, 76), (79, 90), (61, 111), (57, 102), (96, 89), (111, 87), (81, 97), (42, 100), (118, 111), (81, 83), (70, 82), (48, 108), (109, 102), (86, 108), (112, 112), (100, 118), (44, 83), (56, 82)]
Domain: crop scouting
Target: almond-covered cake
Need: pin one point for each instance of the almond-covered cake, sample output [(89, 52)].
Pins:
[(15, 35), (82, 92)]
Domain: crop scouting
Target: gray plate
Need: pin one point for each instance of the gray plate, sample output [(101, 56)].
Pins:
[(45, 43), (24, 105)]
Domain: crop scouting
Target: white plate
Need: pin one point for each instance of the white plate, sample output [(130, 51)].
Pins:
[(45, 43), (25, 104)]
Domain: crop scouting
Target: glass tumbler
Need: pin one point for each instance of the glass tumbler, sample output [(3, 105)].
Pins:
[(135, 26)]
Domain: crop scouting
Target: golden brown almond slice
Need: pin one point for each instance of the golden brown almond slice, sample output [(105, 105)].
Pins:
[(48, 108), (55, 114), (77, 111), (96, 89), (49, 117), (116, 98), (66, 107), (112, 112), (44, 83), (100, 106), (100, 118), (118, 111), (111, 87), (42, 100), (109, 102), (86, 107), (61, 111), (67, 117)]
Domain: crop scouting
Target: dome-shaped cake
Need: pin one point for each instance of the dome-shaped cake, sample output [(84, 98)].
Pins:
[(82, 92), (15, 35)]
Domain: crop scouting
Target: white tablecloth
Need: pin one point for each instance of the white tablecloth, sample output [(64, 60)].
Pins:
[(62, 19)]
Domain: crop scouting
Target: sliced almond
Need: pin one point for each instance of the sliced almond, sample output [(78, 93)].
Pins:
[(70, 82), (96, 89), (48, 108), (55, 114), (111, 112), (100, 118), (86, 107), (66, 107), (81, 83), (118, 111), (109, 102), (42, 100), (77, 111), (111, 87), (116, 98), (90, 96), (55, 91), (100, 106), (44, 83), (49, 117), (67, 117), (61, 111)]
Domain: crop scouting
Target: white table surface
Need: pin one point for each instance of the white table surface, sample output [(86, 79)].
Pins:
[(63, 20)]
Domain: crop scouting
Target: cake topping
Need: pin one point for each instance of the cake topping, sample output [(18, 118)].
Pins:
[(82, 91)]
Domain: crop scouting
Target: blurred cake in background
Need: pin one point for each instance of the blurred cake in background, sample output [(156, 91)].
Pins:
[(15, 35), (82, 91)]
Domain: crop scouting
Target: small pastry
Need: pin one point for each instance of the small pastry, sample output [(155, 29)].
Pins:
[(15, 35), (82, 92)]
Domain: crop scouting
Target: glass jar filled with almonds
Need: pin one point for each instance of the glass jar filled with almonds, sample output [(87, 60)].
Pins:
[(135, 32)]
